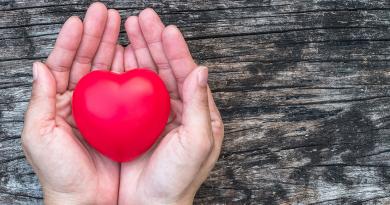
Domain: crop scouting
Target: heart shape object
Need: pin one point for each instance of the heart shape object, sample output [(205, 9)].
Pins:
[(121, 115)]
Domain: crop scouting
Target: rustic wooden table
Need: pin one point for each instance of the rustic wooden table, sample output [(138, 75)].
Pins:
[(302, 86)]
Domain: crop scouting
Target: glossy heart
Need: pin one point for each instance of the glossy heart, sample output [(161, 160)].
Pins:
[(121, 115)]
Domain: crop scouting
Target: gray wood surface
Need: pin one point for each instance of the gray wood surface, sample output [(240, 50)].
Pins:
[(302, 86)]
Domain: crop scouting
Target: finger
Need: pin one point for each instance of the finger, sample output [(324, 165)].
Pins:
[(216, 120), (130, 58), (152, 29), (41, 109), (105, 53), (61, 58), (94, 23), (178, 55), (139, 45), (117, 63), (196, 120), (218, 133)]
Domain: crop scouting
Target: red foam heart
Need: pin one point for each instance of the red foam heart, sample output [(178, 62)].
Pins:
[(121, 115)]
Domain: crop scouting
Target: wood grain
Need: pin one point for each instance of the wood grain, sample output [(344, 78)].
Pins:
[(302, 86)]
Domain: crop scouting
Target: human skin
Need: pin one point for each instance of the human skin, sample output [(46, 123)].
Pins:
[(69, 169)]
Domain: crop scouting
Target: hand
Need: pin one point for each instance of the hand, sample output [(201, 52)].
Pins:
[(174, 168), (69, 169)]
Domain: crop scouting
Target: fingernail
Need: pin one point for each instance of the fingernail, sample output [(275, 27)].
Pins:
[(202, 77), (35, 71)]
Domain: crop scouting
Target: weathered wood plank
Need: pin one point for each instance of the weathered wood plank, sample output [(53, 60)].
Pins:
[(302, 86)]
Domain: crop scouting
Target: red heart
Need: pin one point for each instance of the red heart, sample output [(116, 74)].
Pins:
[(121, 115)]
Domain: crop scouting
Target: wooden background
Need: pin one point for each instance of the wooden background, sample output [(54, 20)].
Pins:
[(302, 86)]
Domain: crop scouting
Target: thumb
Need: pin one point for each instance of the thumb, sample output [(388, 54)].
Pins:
[(42, 106), (196, 120)]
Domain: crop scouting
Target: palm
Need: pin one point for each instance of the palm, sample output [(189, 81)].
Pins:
[(89, 169), (86, 169), (151, 166)]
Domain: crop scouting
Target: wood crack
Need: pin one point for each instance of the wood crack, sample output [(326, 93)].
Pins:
[(337, 10), (41, 6), (376, 154), (10, 138), (13, 159), (262, 33), (20, 195)]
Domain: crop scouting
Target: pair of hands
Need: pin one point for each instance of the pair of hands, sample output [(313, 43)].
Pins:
[(69, 169)]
